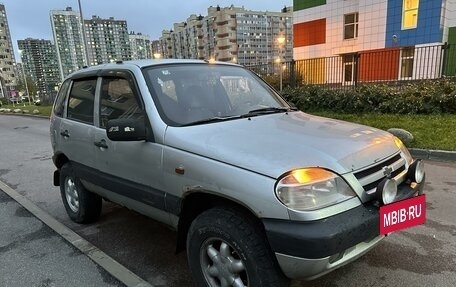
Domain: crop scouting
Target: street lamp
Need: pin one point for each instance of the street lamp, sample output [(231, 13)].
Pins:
[(86, 50), (281, 43), (157, 55), (25, 78)]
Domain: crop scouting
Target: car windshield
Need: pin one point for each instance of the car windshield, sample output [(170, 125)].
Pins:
[(201, 93)]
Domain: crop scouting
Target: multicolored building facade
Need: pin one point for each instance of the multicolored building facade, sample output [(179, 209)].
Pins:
[(372, 40)]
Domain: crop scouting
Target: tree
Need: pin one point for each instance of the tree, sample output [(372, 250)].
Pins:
[(20, 86)]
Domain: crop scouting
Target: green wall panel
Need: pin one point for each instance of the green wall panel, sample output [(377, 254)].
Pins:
[(450, 57), (304, 4), (452, 36)]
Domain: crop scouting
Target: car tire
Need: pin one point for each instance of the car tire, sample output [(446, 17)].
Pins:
[(236, 239), (81, 205)]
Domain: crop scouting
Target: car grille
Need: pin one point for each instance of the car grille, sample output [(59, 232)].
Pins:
[(370, 178)]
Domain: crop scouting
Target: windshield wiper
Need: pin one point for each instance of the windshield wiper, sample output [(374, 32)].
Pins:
[(252, 113), (211, 120), (270, 110)]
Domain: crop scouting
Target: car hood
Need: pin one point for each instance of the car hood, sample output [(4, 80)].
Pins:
[(274, 144)]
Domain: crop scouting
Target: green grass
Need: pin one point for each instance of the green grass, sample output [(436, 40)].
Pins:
[(429, 131), (45, 110)]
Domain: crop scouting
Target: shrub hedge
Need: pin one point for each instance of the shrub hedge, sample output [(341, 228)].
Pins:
[(423, 97)]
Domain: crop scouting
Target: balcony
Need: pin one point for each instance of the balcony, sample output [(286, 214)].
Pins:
[(224, 43)]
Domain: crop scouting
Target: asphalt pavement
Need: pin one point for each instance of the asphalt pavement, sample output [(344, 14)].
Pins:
[(33, 255)]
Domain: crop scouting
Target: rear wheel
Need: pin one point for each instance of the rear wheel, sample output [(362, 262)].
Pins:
[(226, 247), (81, 205)]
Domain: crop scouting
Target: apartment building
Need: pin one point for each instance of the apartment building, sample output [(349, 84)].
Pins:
[(232, 34), (40, 61), (7, 62), (156, 49), (367, 40), (140, 46), (69, 40), (107, 40)]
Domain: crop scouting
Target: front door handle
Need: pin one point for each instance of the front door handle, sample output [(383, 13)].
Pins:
[(101, 144), (65, 133)]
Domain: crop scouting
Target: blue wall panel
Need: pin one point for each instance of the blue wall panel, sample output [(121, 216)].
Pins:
[(428, 29)]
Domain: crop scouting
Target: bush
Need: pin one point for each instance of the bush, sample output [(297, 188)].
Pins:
[(272, 80), (424, 97)]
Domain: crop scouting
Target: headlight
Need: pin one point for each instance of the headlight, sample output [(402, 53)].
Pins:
[(312, 188), (405, 152)]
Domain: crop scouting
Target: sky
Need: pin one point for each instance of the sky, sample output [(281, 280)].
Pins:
[(30, 18)]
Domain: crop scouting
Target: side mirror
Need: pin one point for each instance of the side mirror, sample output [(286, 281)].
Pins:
[(126, 130)]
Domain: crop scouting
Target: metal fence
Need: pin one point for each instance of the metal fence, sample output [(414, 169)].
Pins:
[(392, 66)]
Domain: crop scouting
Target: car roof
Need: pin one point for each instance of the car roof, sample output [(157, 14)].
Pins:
[(141, 64)]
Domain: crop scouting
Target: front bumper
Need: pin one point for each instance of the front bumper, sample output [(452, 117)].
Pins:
[(324, 237), (310, 249), (307, 250), (309, 269)]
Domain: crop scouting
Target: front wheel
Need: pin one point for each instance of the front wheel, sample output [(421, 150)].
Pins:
[(226, 247), (82, 206)]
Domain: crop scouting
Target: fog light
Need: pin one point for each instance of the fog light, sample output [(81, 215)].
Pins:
[(416, 171), (387, 191)]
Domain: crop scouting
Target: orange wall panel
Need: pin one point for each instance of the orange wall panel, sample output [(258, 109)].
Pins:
[(379, 65), (309, 33)]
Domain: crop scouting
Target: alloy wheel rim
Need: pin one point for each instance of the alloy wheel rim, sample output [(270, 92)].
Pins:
[(71, 194), (221, 264)]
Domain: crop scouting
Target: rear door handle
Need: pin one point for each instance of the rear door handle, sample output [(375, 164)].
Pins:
[(65, 133), (101, 144)]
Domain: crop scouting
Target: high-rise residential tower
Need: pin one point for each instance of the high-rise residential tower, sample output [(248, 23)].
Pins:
[(140, 46), (157, 49), (107, 40), (232, 34), (39, 58), (68, 38), (7, 62)]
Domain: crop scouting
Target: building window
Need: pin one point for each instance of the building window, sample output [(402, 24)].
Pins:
[(410, 14), (348, 61), (407, 57), (351, 26)]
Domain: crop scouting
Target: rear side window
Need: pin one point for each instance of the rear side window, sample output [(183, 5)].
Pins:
[(59, 104), (81, 100)]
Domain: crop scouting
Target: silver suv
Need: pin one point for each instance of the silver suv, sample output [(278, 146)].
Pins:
[(257, 191)]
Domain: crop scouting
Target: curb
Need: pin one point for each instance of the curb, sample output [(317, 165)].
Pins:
[(113, 267), (438, 155), (26, 115)]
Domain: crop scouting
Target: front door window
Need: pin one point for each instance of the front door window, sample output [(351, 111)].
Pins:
[(118, 100)]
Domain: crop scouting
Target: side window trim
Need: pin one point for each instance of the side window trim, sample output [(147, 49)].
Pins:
[(97, 103), (65, 102)]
